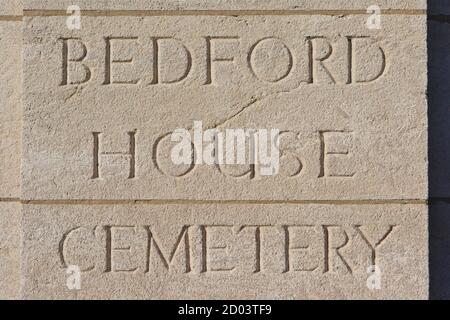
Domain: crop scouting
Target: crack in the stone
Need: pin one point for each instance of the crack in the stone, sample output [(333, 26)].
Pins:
[(252, 102), (71, 95), (222, 122)]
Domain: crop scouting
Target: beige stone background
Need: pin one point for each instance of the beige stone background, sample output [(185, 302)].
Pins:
[(13, 280), (10, 147)]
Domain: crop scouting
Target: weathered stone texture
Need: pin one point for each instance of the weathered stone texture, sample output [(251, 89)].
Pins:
[(351, 121), (226, 251), (10, 222), (10, 108), (225, 5), (102, 194), (10, 146)]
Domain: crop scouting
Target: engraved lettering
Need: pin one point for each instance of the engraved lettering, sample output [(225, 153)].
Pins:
[(211, 249), (317, 61), (258, 245), (154, 245), (74, 51), (162, 150), (329, 153), (162, 74), (212, 56), (270, 60), (110, 60), (216, 249), (352, 75), (332, 250), (97, 153), (373, 246), (166, 60), (300, 248), (115, 251), (75, 235)]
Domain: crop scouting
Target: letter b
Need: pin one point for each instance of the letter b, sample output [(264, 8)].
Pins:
[(73, 53)]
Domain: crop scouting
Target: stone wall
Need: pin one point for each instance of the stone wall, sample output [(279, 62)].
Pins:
[(92, 204)]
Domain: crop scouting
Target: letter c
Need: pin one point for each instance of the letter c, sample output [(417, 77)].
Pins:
[(63, 248)]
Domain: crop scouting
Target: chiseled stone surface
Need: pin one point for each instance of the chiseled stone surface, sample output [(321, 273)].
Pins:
[(10, 107), (100, 104), (9, 250), (11, 7), (220, 4), (225, 251), (348, 134), (10, 142)]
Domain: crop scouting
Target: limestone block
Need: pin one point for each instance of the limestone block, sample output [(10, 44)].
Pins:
[(11, 7), (109, 214), (10, 107), (101, 102), (225, 251), (10, 146), (9, 250), (224, 5)]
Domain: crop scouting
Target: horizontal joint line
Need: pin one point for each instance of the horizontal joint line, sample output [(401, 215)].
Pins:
[(11, 18), (219, 202), (245, 12)]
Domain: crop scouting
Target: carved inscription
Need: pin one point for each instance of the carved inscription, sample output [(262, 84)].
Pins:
[(271, 60), (253, 249), (100, 156), (333, 158), (330, 152), (73, 51)]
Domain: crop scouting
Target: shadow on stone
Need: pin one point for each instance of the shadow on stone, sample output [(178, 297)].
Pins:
[(439, 147)]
